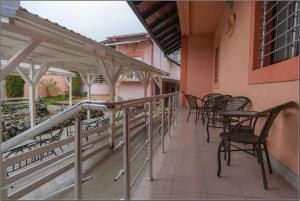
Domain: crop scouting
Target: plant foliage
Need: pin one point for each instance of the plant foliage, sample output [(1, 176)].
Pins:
[(14, 86)]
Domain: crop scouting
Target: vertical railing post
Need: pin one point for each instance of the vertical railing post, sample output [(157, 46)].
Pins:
[(112, 129), (126, 153), (169, 116), (163, 125), (150, 138), (78, 159), (173, 110), (3, 192)]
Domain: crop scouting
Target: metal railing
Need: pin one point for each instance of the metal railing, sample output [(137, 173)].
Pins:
[(76, 149)]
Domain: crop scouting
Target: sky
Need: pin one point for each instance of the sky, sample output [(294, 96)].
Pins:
[(94, 19)]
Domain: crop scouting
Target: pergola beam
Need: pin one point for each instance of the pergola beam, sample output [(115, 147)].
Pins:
[(15, 60)]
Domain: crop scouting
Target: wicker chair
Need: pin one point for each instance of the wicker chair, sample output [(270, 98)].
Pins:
[(221, 104), (194, 106), (238, 135), (207, 103)]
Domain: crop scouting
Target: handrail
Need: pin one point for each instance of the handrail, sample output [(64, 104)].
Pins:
[(51, 122), (79, 147), (129, 103)]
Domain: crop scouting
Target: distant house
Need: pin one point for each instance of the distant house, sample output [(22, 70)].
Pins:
[(141, 47)]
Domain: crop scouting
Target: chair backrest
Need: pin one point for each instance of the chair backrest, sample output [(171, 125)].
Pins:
[(219, 102), (237, 103), (271, 115), (211, 96), (192, 100)]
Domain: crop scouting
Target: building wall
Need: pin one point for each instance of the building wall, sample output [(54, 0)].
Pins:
[(132, 90), (60, 83), (150, 53), (234, 64), (199, 64), (233, 79)]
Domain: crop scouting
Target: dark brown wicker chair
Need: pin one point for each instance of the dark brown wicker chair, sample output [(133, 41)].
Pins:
[(194, 106), (238, 135), (207, 104), (221, 104)]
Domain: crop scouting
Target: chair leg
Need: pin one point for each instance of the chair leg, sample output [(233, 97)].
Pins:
[(229, 154), (254, 149), (219, 157), (262, 167), (188, 116), (207, 131), (203, 118), (268, 158)]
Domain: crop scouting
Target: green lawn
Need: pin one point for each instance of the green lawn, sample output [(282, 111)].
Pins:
[(54, 99)]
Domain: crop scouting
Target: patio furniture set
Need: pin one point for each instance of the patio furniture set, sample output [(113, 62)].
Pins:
[(242, 130)]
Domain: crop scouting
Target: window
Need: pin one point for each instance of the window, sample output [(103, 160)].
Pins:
[(99, 79), (280, 31), (217, 65), (131, 76)]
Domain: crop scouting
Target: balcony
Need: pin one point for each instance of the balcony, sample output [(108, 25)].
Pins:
[(186, 170)]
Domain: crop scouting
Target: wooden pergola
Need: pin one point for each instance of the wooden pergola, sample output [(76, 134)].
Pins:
[(28, 38)]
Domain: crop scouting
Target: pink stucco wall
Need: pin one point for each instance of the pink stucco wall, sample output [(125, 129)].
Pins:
[(199, 62), (132, 90), (61, 84), (235, 67)]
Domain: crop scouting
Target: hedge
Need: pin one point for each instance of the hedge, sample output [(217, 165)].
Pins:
[(14, 86), (76, 85)]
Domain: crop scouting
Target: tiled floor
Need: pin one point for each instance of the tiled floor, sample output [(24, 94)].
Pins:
[(187, 170)]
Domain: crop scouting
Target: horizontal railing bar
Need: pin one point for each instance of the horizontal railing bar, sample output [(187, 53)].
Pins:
[(139, 172), (129, 103), (139, 150), (157, 143), (51, 122), (157, 129), (18, 158), (30, 187), (38, 168), (34, 185), (99, 139), (95, 130), (51, 196), (138, 125)]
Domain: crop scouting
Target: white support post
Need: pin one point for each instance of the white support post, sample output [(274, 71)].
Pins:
[(70, 92), (32, 107), (88, 94), (3, 192), (32, 81), (37, 89)]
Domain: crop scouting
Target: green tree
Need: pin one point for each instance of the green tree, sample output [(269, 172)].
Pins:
[(76, 85), (14, 86)]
